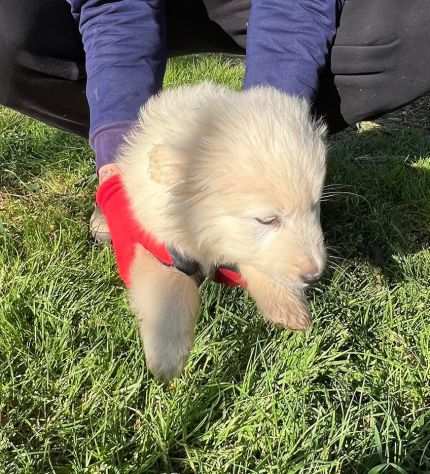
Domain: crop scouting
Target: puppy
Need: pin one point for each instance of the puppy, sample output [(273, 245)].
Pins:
[(223, 177)]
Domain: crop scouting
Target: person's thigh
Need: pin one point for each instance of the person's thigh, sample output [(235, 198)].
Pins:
[(41, 58), (381, 56), (379, 61)]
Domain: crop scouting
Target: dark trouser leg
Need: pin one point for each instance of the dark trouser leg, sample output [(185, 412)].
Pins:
[(380, 59), (41, 63)]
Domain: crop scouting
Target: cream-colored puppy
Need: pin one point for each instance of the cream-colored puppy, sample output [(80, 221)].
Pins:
[(224, 177)]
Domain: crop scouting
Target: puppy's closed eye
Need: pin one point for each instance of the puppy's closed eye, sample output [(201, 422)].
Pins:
[(270, 220)]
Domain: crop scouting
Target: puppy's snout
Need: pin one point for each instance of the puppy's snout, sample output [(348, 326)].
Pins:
[(310, 271), (310, 277)]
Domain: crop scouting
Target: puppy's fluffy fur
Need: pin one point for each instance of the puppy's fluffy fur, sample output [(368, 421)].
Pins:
[(224, 177)]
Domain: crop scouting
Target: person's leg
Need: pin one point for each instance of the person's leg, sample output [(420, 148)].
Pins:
[(380, 60), (41, 63)]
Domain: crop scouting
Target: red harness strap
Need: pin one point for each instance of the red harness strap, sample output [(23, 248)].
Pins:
[(229, 277), (126, 233)]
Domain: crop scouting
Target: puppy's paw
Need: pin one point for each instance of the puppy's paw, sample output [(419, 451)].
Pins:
[(282, 306), (288, 310), (166, 352)]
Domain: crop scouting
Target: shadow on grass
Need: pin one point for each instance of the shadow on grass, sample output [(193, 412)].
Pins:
[(416, 458), (385, 206)]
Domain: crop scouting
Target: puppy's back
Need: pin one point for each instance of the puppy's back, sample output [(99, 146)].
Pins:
[(171, 118), (170, 123)]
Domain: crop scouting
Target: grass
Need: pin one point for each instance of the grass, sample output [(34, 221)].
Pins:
[(351, 396)]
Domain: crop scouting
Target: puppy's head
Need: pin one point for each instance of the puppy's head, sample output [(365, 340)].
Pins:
[(254, 187)]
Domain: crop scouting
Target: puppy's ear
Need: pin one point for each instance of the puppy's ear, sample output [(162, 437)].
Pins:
[(166, 165)]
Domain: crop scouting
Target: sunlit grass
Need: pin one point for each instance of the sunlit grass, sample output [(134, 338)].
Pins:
[(350, 396)]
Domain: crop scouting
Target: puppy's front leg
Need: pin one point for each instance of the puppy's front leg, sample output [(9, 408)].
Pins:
[(282, 306), (166, 303)]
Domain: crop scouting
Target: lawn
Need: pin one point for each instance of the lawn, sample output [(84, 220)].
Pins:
[(350, 396)]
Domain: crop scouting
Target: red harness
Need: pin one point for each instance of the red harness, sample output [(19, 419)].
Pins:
[(126, 233)]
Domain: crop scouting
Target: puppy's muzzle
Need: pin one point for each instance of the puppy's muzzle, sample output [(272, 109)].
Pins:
[(310, 277)]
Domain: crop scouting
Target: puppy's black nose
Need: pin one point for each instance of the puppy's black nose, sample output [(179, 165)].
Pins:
[(310, 277)]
